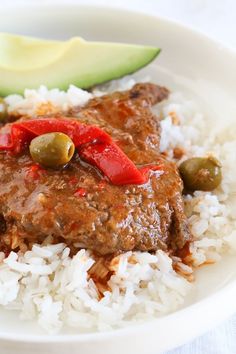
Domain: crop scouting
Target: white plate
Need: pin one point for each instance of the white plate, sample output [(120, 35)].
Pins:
[(190, 62)]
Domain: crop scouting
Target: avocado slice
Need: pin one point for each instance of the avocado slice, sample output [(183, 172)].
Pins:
[(27, 62)]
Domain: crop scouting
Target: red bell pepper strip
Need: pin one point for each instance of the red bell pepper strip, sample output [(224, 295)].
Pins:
[(111, 160), (6, 142), (23, 132), (93, 144), (146, 169)]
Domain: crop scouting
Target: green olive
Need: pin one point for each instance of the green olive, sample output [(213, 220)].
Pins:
[(52, 149), (3, 110), (201, 173)]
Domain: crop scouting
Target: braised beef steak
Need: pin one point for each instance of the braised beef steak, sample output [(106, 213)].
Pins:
[(79, 206)]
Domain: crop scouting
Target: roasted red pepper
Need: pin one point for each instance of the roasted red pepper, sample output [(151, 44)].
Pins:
[(93, 144), (146, 169), (22, 133), (6, 142), (113, 163)]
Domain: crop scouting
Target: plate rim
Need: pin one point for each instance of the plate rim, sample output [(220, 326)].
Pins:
[(215, 297)]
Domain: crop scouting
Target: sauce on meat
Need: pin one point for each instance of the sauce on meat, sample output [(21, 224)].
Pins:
[(76, 205)]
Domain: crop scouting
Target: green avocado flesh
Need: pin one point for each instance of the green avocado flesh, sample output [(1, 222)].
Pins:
[(28, 62)]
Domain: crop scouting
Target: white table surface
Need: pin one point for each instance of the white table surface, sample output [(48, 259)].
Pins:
[(218, 19)]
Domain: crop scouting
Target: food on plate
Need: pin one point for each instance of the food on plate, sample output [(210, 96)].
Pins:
[(135, 209), (201, 173), (52, 149), (27, 62), (109, 198)]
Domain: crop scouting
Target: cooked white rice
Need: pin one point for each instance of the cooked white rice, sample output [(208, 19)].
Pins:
[(47, 285)]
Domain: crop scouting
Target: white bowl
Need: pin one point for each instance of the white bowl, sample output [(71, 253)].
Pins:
[(190, 62)]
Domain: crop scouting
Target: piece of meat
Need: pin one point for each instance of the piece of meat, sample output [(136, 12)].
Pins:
[(127, 117), (78, 206)]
